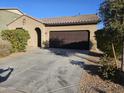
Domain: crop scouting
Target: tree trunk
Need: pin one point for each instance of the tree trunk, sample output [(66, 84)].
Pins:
[(113, 49), (122, 63)]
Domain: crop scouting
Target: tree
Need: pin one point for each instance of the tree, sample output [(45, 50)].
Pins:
[(112, 15), (110, 39)]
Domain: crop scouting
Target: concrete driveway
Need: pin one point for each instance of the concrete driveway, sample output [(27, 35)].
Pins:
[(41, 71)]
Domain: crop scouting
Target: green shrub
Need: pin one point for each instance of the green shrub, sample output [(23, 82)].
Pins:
[(106, 38), (18, 38), (46, 44), (108, 69)]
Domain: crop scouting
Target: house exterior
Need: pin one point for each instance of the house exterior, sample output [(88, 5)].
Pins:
[(75, 32), (8, 15)]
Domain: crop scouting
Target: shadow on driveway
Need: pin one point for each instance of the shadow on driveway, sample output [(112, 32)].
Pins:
[(3, 71), (93, 69), (79, 63), (85, 54), (69, 52)]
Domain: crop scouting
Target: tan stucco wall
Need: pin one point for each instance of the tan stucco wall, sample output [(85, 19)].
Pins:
[(29, 25), (91, 28)]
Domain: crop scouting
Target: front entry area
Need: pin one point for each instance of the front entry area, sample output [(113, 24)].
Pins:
[(38, 31), (69, 39)]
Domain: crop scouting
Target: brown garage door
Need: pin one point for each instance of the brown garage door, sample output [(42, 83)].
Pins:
[(69, 39)]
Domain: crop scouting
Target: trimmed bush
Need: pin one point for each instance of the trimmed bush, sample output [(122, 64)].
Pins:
[(18, 39)]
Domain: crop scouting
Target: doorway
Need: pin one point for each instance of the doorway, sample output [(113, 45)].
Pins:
[(38, 31)]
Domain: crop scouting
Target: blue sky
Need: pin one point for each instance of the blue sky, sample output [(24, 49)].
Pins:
[(53, 8)]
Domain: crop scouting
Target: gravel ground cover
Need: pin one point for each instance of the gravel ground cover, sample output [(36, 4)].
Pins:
[(92, 83)]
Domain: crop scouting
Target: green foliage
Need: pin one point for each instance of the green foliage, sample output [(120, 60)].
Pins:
[(112, 15), (46, 44), (18, 38), (106, 38), (108, 68)]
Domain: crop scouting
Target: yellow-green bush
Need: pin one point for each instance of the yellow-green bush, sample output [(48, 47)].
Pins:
[(18, 39)]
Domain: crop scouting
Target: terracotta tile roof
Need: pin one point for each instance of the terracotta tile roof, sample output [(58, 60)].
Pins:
[(81, 19)]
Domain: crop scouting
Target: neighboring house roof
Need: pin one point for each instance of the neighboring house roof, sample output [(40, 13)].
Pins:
[(6, 17), (14, 10), (81, 19), (21, 17)]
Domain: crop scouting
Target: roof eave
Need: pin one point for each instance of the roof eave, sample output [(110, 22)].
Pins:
[(12, 9), (68, 24)]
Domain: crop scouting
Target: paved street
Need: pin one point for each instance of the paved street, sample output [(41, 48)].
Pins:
[(41, 71)]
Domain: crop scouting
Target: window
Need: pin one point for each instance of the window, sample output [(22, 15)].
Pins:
[(19, 28), (24, 21)]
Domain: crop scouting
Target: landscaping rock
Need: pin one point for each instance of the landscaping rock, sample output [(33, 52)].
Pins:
[(94, 84)]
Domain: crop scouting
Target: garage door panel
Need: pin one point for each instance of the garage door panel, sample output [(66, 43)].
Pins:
[(76, 45), (69, 39)]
